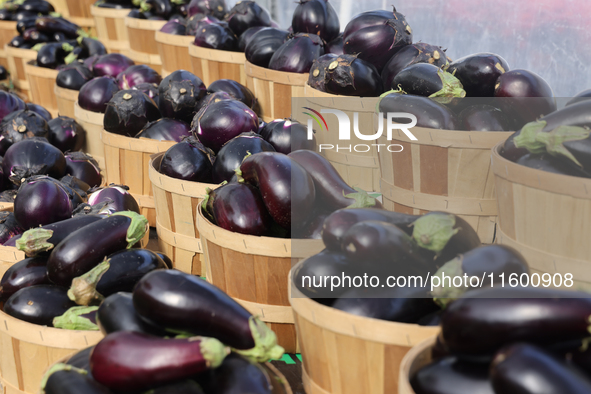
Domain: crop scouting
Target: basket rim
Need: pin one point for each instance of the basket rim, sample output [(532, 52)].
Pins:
[(266, 74), (144, 24), (173, 39), (109, 12), (407, 362), (177, 186)]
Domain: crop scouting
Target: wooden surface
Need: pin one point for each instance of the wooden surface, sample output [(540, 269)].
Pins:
[(7, 32), (174, 52), (80, 8), (66, 100), (417, 357), (17, 59), (92, 122), (143, 48), (111, 29), (212, 64), (42, 83)]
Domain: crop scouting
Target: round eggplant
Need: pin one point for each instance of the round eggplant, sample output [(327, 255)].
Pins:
[(96, 93), (264, 44), (28, 272), (246, 37), (23, 124), (287, 135), (39, 304), (429, 113), (317, 78), (84, 167), (65, 379), (128, 112), (479, 73), (216, 36), (39, 110), (452, 376), (348, 75), (165, 129), (424, 79), (484, 118), (235, 90), (118, 198), (179, 95), (236, 375), (41, 202), (33, 156), (316, 17), (297, 54), (247, 14), (412, 54), (111, 65), (66, 134), (137, 74), (188, 160), (216, 8)]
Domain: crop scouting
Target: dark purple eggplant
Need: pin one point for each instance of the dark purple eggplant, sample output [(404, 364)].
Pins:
[(316, 17), (156, 360), (9, 227), (297, 54), (179, 95), (424, 79), (192, 24), (166, 260), (549, 163), (429, 113), (286, 187), (119, 272), (4, 73), (23, 124), (479, 73), (236, 375), (348, 75), (96, 93), (581, 96), (81, 359), (161, 8), (73, 77), (150, 90), (39, 110), (313, 227), (216, 36), (51, 24), (287, 135), (217, 8), (484, 118), (77, 185), (66, 379), (92, 47), (85, 248), (335, 46), (181, 387), (38, 304), (165, 129), (317, 78), (137, 74), (214, 98), (264, 44), (25, 24), (188, 160), (431, 320), (118, 197), (412, 54), (10, 103), (246, 37), (111, 65), (247, 14), (33, 156), (52, 54), (19, 42), (66, 134), (116, 313), (452, 376), (198, 307), (376, 36), (174, 28), (41, 202), (233, 153), (128, 112), (83, 167), (522, 368), (235, 90), (25, 273)]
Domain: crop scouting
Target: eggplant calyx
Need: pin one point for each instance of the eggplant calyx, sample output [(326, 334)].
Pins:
[(73, 319), (34, 241), (38, 47), (82, 33), (527, 137), (452, 87), (83, 289), (362, 199), (213, 351), (399, 91), (145, 7), (67, 47), (71, 58), (137, 229), (443, 295), (433, 232), (266, 347), (555, 139), (60, 367)]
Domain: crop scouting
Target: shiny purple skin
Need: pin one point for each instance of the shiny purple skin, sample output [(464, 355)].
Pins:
[(9, 227), (216, 8), (216, 36), (264, 44), (73, 76), (376, 36), (234, 89), (174, 28), (41, 202), (136, 75), (411, 54), (348, 75), (316, 17), (66, 134), (297, 54), (483, 118), (83, 167), (28, 272), (128, 112), (9, 103), (121, 199), (192, 24), (245, 37), (39, 110), (239, 207), (36, 156), (286, 135), (221, 121), (111, 65), (247, 14), (479, 73), (214, 98), (96, 93), (39, 304), (150, 89), (335, 46), (165, 129), (180, 94), (188, 160)]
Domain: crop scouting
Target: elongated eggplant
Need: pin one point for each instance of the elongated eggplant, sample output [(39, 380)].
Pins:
[(198, 307), (429, 113), (119, 272), (85, 248), (313, 227), (581, 96), (526, 369), (482, 321), (216, 36), (452, 376), (424, 79), (116, 313), (348, 75), (51, 24), (81, 359), (236, 375), (412, 54), (549, 163), (297, 54), (25, 273), (38, 304), (9, 227), (66, 379), (479, 73), (286, 187), (264, 44), (246, 37), (484, 118)]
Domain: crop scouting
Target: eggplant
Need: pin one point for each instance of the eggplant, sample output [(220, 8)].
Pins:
[(9, 227), (166, 260), (581, 96), (111, 65), (38, 304), (51, 55), (236, 375), (424, 79), (174, 28), (246, 37), (41, 202), (85, 248), (41, 7), (235, 90), (9, 103), (230, 157), (137, 74), (522, 368), (116, 313), (549, 163), (51, 24), (478, 73), (161, 8), (198, 307), (25, 24), (433, 319), (214, 98), (149, 89), (192, 24), (119, 272), (179, 95), (348, 75), (412, 54), (317, 78), (66, 134), (286, 187), (188, 160), (217, 8), (313, 227), (482, 321), (297, 54), (216, 36), (264, 44), (92, 47), (96, 93), (449, 375), (429, 113), (287, 135), (84, 167), (34, 36), (81, 359), (316, 17), (118, 198), (482, 117), (247, 14), (23, 124), (335, 46), (28, 272), (66, 379), (165, 129), (128, 112), (81, 318)]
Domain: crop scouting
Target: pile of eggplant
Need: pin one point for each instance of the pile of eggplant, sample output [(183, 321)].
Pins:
[(174, 333), (520, 340), (18, 10), (159, 10)]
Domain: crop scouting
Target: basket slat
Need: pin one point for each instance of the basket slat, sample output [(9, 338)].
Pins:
[(92, 122), (42, 82), (17, 60), (66, 99), (111, 29), (143, 48), (174, 52), (7, 32), (212, 64)]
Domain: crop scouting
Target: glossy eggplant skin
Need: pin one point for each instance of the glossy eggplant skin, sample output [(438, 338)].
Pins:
[(484, 118), (348, 75), (494, 259), (287, 135), (412, 54), (452, 376), (81, 359), (166, 260), (236, 375), (477, 327), (578, 114), (429, 113), (549, 163), (116, 313), (286, 187), (263, 45), (526, 369), (28, 272), (38, 304), (581, 96), (422, 79), (297, 54), (479, 73), (73, 382)]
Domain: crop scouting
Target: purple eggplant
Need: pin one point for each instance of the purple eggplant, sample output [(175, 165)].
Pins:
[(214, 98), (85, 248), (166, 260), (412, 54), (235, 375), (429, 113), (33, 156), (165, 129), (179, 95), (118, 198), (187, 386), (217, 8), (116, 313), (247, 14), (51, 24), (111, 65), (92, 47), (235, 90), (246, 37), (479, 73), (66, 134), (134, 75), (41, 202), (348, 75), (96, 93), (128, 112), (119, 272), (482, 117), (264, 44), (39, 110), (53, 54), (287, 135), (313, 227), (233, 153), (38, 304), (549, 163), (424, 79), (317, 78), (162, 8), (198, 307), (174, 28), (192, 24), (10, 103), (581, 96), (335, 46), (66, 379), (188, 160), (25, 273), (297, 54), (83, 167), (216, 36), (449, 375), (316, 17), (23, 124), (9, 227)]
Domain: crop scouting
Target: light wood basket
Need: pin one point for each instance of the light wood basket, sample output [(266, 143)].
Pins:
[(541, 214), (66, 100), (359, 169), (444, 170), (7, 33), (17, 62), (176, 204), (213, 64), (92, 122), (8, 254), (274, 90), (111, 29), (174, 52), (42, 83), (127, 161), (79, 13), (418, 357), (60, 6), (347, 354), (143, 48), (254, 270)]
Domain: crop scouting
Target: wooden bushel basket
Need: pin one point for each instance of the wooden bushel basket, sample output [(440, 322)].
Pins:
[(66, 100), (274, 90), (541, 214), (61, 6), (92, 122), (42, 83), (418, 357), (127, 161), (444, 170), (254, 270), (7, 33), (17, 61), (8, 254), (143, 48), (359, 169), (213, 64), (111, 29), (174, 52), (79, 13), (347, 354), (176, 204)]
